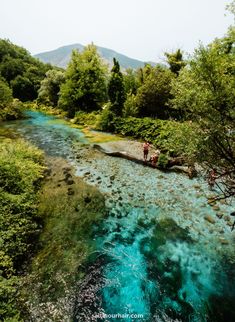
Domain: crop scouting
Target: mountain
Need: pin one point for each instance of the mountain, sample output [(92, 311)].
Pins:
[(61, 56)]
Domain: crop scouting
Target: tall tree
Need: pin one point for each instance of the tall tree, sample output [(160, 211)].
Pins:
[(206, 93), (142, 73), (175, 61), (85, 82), (152, 97), (50, 87), (22, 72), (116, 89), (131, 81)]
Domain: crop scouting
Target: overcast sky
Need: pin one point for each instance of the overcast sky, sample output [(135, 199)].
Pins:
[(142, 29)]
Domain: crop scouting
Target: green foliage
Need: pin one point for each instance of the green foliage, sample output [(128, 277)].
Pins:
[(20, 171), (179, 139), (231, 8), (50, 87), (23, 88), (130, 106), (20, 70), (106, 119), (131, 81), (162, 161), (8, 294), (83, 118), (9, 109), (5, 94), (85, 85), (153, 95), (11, 67), (65, 241), (175, 61), (205, 92), (143, 73), (175, 138), (116, 89)]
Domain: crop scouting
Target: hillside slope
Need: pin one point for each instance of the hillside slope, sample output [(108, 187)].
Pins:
[(61, 56)]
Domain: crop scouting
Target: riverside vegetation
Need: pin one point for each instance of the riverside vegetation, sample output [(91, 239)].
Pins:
[(21, 168), (44, 218), (185, 108)]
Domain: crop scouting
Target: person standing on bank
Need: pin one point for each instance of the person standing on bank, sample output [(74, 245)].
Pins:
[(146, 150)]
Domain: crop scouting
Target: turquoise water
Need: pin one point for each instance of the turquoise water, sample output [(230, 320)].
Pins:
[(51, 134), (157, 258)]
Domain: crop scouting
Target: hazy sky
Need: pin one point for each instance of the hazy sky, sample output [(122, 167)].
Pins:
[(142, 29)]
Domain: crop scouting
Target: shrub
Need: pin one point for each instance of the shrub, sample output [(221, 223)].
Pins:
[(9, 109), (130, 106), (20, 170), (106, 120), (162, 161), (169, 136), (87, 119), (176, 138)]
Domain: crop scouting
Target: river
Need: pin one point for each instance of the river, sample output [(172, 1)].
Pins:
[(162, 253)]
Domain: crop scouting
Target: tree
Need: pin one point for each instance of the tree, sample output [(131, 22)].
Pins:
[(5, 94), (9, 109), (116, 89), (23, 88), (175, 61), (231, 7), (22, 72), (206, 93), (85, 82), (153, 95), (50, 86), (142, 73), (131, 81), (130, 106), (11, 67)]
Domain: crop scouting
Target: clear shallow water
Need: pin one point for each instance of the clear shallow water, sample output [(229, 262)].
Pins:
[(156, 255), (49, 133)]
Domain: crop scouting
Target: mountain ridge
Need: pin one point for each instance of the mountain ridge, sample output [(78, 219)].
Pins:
[(61, 56)]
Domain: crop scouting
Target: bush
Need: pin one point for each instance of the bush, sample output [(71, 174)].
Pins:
[(130, 106), (9, 109), (169, 136), (85, 119), (20, 170), (176, 138), (106, 120), (162, 161)]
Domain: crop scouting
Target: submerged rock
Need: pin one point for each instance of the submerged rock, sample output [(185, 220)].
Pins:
[(227, 218), (210, 219), (223, 241)]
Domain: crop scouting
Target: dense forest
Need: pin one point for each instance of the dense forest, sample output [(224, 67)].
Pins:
[(184, 108)]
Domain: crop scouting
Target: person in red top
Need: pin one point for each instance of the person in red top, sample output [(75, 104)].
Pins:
[(146, 150)]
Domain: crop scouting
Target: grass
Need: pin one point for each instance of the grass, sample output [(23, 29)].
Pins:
[(99, 137)]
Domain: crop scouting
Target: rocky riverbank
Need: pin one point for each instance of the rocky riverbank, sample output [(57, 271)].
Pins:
[(133, 151), (125, 182)]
